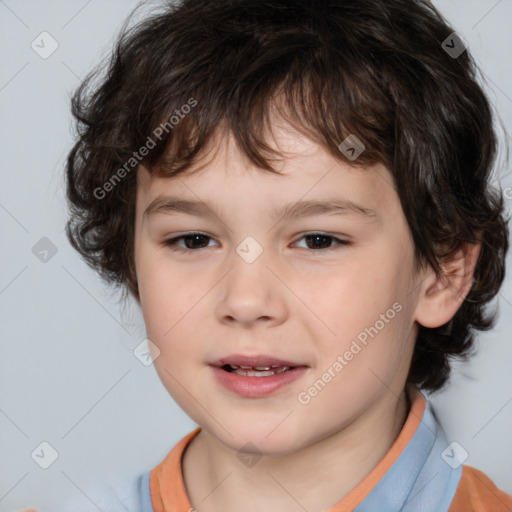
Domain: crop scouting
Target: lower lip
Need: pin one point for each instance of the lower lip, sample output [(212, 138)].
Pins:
[(257, 387)]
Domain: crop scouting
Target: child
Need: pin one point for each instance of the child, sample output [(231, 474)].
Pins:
[(331, 160)]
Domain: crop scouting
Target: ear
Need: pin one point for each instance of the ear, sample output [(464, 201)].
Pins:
[(441, 296)]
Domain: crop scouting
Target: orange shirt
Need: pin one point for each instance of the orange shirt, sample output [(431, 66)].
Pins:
[(475, 492)]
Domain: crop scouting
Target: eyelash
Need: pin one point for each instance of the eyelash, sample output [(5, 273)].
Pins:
[(171, 243)]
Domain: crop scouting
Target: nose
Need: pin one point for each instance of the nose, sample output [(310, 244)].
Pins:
[(251, 293)]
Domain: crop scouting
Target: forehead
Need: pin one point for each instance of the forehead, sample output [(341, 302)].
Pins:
[(307, 171)]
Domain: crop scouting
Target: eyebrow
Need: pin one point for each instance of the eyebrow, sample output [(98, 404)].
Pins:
[(299, 209)]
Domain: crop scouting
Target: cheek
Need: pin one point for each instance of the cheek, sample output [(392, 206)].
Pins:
[(352, 301), (366, 311), (170, 307), (163, 294)]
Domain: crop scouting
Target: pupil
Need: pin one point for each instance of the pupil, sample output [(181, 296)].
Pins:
[(316, 238), (192, 239)]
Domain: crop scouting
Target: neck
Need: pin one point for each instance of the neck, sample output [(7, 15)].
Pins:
[(313, 478)]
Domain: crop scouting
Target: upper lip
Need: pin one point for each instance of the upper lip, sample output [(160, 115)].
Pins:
[(260, 360)]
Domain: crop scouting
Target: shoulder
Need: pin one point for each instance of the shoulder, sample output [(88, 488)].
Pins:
[(127, 495), (477, 493)]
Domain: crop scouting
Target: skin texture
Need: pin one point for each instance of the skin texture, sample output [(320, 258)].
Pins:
[(293, 302)]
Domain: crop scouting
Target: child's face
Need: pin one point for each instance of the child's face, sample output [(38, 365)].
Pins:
[(303, 300)]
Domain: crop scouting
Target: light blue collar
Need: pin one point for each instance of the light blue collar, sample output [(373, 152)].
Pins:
[(419, 480)]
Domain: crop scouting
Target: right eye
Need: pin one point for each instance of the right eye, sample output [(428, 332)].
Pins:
[(192, 241)]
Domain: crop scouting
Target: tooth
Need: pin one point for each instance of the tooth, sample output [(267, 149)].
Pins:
[(233, 366), (263, 368), (260, 373)]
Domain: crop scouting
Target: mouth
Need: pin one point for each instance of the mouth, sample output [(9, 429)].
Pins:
[(256, 376)]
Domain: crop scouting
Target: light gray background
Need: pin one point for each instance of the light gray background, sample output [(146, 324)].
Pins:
[(68, 373)]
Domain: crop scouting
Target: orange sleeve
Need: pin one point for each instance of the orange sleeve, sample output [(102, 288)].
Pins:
[(477, 493)]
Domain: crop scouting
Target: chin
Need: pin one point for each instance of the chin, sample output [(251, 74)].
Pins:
[(257, 440)]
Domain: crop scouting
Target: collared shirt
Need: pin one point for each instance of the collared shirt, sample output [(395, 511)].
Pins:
[(421, 472)]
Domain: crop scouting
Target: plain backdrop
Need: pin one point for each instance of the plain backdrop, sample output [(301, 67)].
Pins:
[(68, 373)]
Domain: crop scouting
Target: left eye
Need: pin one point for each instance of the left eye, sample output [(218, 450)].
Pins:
[(323, 240), (192, 241)]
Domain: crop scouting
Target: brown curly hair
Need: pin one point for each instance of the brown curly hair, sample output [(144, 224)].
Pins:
[(375, 68)]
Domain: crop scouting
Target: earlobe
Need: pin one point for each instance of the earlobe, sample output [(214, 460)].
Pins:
[(441, 296)]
